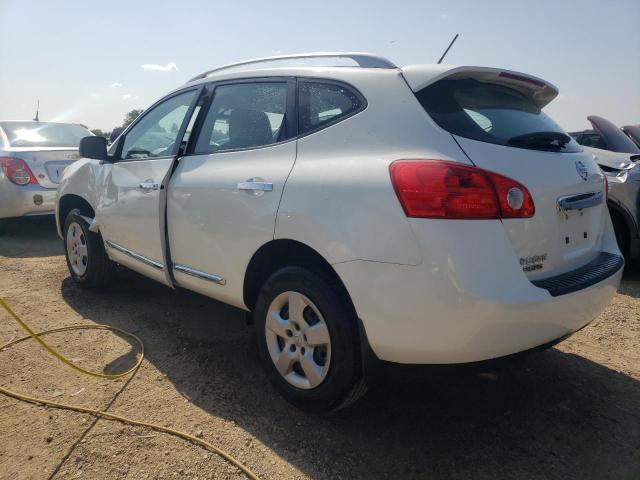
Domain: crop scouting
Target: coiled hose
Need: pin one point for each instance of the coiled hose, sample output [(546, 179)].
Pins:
[(99, 413)]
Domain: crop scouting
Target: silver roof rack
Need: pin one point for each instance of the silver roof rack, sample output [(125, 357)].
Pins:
[(364, 60)]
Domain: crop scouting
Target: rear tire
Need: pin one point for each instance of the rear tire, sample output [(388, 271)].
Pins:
[(308, 340), (622, 235), (4, 225), (87, 259)]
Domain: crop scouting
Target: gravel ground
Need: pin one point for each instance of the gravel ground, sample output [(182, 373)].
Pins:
[(570, 412)]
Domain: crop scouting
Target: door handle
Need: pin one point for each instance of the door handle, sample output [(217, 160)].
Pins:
[(579, 201), (253, 185), (149, 185)]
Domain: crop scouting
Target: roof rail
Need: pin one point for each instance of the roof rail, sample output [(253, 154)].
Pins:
[(364, 60)]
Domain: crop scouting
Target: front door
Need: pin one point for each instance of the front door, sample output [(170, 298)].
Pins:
[(223, 197), (131, 215)]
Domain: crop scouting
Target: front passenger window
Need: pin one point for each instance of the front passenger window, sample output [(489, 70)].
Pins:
[(244, 115), (155, 135)]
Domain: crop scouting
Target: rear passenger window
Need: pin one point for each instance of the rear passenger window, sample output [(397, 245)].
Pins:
[(321, 104), (244, 115)]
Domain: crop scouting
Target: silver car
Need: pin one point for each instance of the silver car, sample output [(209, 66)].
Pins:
[(619, 158), (32, 158)]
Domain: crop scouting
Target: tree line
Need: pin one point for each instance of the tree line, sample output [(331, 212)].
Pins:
[(128, 118)]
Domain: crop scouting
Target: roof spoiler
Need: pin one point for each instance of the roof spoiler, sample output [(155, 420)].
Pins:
[(540, 91)]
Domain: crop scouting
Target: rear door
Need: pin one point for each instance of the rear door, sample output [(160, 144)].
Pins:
[(224, 195), (131, 210), (499, 124)]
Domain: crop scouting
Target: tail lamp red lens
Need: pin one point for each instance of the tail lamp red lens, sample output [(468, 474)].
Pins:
[(16, 170), (449, 190)]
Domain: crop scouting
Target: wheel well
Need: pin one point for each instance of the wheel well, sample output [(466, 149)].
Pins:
[(70, 202), (281, 253), (619, 220)]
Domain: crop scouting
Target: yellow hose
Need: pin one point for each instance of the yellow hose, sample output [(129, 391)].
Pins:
[(99, 413)]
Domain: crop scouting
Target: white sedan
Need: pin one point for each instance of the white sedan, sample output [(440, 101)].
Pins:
[(32, 157)]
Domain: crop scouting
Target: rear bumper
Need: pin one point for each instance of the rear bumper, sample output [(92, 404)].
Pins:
[(468, 301), (599, 269), (18, 201)]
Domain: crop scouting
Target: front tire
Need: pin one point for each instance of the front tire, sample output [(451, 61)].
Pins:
[(87, 260), (307, 337), (4, 225)]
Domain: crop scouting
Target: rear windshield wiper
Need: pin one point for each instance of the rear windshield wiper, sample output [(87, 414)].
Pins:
[(541, 140)]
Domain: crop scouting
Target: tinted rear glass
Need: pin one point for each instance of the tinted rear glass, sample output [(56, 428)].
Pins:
[(43, 134), (244, 115), (494, 114), (321, 104)]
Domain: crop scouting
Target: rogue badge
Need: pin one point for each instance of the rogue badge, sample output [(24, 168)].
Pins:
[(582, 170)]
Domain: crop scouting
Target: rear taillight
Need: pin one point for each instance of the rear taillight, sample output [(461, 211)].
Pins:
[(514, 198), (441, 189), (16, 170)]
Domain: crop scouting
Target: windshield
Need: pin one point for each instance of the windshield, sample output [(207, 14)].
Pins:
[(494, 114), (43, 134)]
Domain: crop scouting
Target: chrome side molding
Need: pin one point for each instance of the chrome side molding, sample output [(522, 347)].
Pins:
[(199, 274), (149, 261)]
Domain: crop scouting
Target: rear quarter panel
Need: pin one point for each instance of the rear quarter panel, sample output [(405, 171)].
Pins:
[(339, 198)]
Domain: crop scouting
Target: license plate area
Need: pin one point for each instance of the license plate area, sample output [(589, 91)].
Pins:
[(54, 169), (577, 232)]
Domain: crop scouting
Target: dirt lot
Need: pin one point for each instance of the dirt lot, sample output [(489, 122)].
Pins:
[(570, 412)]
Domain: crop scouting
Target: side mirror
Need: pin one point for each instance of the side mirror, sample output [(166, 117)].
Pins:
[(93, 147)]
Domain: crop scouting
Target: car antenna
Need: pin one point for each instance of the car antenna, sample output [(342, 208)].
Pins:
[(37, 110), (447, 50)]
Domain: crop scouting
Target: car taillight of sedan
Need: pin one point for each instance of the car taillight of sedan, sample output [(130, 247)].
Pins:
[(16, 170)]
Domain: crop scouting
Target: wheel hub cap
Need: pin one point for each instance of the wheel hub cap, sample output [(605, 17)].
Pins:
[(298, 340), (77, 249)]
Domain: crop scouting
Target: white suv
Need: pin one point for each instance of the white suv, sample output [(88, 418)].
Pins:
[(421, 215)]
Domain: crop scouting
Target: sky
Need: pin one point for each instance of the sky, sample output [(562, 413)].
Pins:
[(92, 62)]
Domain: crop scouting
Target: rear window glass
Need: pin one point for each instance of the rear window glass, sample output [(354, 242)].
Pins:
[(322, 104), (592, 140), (43, 134), (494, 114)]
